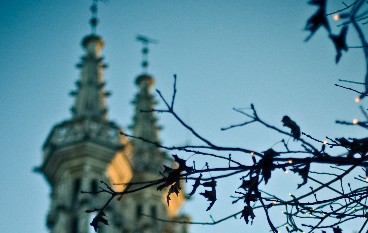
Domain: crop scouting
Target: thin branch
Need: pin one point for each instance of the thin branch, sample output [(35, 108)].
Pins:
[(343, 9), (351, 89), (349, 81)]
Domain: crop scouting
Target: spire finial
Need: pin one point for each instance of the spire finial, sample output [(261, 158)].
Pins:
[(94, 20), (145, 42)]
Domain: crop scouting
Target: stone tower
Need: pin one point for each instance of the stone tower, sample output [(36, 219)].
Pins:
[(87, 148), (147, 162)]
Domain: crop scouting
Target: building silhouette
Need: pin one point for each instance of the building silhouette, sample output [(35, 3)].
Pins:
[(87, 148)]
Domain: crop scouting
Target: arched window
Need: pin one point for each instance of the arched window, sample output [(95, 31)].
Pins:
[(76, 189), (94, 186), (153, 211), (139, 211)]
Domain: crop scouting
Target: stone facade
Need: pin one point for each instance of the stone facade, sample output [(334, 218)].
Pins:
[(87, 148)]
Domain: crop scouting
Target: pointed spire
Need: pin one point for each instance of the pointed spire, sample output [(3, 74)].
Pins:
[(90, 94), (145, 123), (145, 50), (147, 156), (94, 20)]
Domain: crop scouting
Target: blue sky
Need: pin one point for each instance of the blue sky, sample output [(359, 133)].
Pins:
[(226, 54)]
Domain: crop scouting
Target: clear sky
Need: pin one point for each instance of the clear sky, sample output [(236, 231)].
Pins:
[(226, 54)]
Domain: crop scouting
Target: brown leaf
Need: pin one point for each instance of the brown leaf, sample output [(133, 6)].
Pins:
[(251, 184), (295, 129), (337, 229), (100, 217), (303, 172), (195, 185), (246, 213), (318, 19), (173, 175), (175, 188), (340, 42), (210, 194), (266, 163)]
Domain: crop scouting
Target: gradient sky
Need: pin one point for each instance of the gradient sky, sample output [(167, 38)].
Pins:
[(226, 54)]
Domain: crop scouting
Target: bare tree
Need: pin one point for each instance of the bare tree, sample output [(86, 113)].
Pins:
[(341, 159)]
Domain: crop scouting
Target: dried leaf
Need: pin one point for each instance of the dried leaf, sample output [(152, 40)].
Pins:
[(211, 183), (246, 213), (337, 229), (303, 172), (318, 19), (340, 42), (175, 188), (266, 163), (355, 146), (295, 129), (182, 164), (251, 184), (174, 174), (210, 194), (173, 177), (195, 185), (100, 217)]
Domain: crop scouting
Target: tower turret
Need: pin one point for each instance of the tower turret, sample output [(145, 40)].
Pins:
[(146, 155), (87, 148), (82, 151), (90, 95), (148, 160)]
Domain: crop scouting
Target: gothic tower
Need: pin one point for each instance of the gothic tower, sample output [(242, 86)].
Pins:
[(148, 161), (87, 148)]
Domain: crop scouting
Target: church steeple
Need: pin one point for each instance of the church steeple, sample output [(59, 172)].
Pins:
[(81, 151), (145, 50), (90, 95), (94, 19), (88, 148), (148, 159), (145, 123)]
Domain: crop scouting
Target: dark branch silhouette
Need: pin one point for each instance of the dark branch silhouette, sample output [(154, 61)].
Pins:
[(342, 159)]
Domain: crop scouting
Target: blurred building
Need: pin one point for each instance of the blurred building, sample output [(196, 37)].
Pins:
[(88, 148)]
